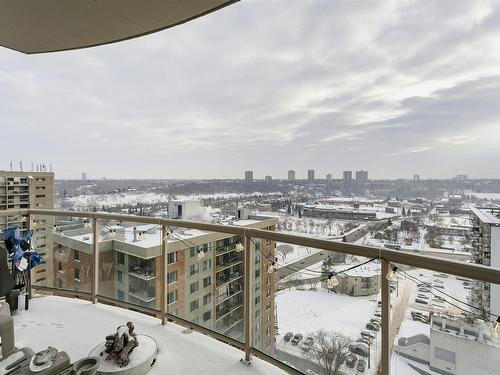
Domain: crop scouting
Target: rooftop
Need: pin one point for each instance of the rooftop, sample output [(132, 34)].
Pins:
[(77, 326), (489, 215)]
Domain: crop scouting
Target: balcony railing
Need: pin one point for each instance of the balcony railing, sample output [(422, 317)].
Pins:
[(100, 269)]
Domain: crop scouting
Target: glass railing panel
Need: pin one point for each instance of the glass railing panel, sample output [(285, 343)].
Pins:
[(64, 244), (318, 313), (205, 280), (130, 262), (444, 325)]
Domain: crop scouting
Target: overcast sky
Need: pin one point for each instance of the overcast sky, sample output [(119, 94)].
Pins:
[(394, 87)]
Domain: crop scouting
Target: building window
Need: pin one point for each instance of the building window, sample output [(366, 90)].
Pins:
[(77, 273), (207, 316), (60, 249), (207, 264), (192, 251), (268, 280), (207, 298), (76, 254), (257, 274), (172, 277), (194, 287), (120, 258), (207, 281), (195, 268), (172, 257), (194, 305), (59, 266), (268, 305), (268, 242), (119, 275), (257, 300), (172, 296), (257, 313), (257, 246), (257, 259), (257, 285)]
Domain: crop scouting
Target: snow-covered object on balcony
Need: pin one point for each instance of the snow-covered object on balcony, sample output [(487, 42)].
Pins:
[(127, 353)]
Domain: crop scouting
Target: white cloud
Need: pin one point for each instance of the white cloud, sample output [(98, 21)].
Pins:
[(271, 86)]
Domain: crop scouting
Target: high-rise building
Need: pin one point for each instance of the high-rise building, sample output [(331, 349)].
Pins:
[(361, 177), (268, 179), (21, 190), (84, 176), (485, 242), (310, 175), (329, 177), (248, 176), (291, 175), (416, 178), (206, 290), (347, 175)]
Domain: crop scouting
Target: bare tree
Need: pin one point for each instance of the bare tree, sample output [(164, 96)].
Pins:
[(330, 350), (284, 250)]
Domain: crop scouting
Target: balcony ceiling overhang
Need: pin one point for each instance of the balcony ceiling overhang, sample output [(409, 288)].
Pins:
[(38, 26)]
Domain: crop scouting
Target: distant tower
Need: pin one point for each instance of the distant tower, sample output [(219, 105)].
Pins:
[(416, 177), (347, 176), (329, 177), (249, 176), (310, 175), (268, 179), (291, 175), (361, 177), (84, 176)]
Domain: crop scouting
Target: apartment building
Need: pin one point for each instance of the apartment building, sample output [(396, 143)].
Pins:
[(291, 175), (20, 190), (485, 242), (204, 275)]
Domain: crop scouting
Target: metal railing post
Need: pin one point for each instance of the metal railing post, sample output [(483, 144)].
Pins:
[(163, 274), (247, 316), (95, 257), (29, 225), (386, 311)]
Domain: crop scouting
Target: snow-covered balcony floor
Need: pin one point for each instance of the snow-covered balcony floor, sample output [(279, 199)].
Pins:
[(77, 326)]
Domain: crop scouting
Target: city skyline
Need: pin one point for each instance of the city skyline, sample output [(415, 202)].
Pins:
[(384, 86)]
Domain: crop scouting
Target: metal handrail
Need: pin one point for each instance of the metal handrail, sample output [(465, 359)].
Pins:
[(386, 256), (452, 267)]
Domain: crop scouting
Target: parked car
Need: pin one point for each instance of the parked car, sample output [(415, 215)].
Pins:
[(372, 327), (359, 348), (297, 338), (307, 344), (423, 296), (288, 336), (378, 315), (370, 334), (421, 301), (366, 340), (419, 318), (439, 286), (361, 365), (424, 290), (351, 360), (376, 321)]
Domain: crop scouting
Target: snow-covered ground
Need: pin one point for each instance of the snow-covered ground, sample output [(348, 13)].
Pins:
[(298, 253), (77, 326), (309, 311)]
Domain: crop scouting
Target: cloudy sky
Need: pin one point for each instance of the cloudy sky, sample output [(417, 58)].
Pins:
[(394, 87)]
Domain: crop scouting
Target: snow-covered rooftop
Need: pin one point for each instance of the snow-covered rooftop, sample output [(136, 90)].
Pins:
[(77, 326), (486, 215)]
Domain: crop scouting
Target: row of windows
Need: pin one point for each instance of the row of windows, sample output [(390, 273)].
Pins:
[(194, 305), (194, 287)]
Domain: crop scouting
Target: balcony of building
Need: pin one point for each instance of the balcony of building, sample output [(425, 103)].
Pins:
[(76, 326), (253, 324)]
